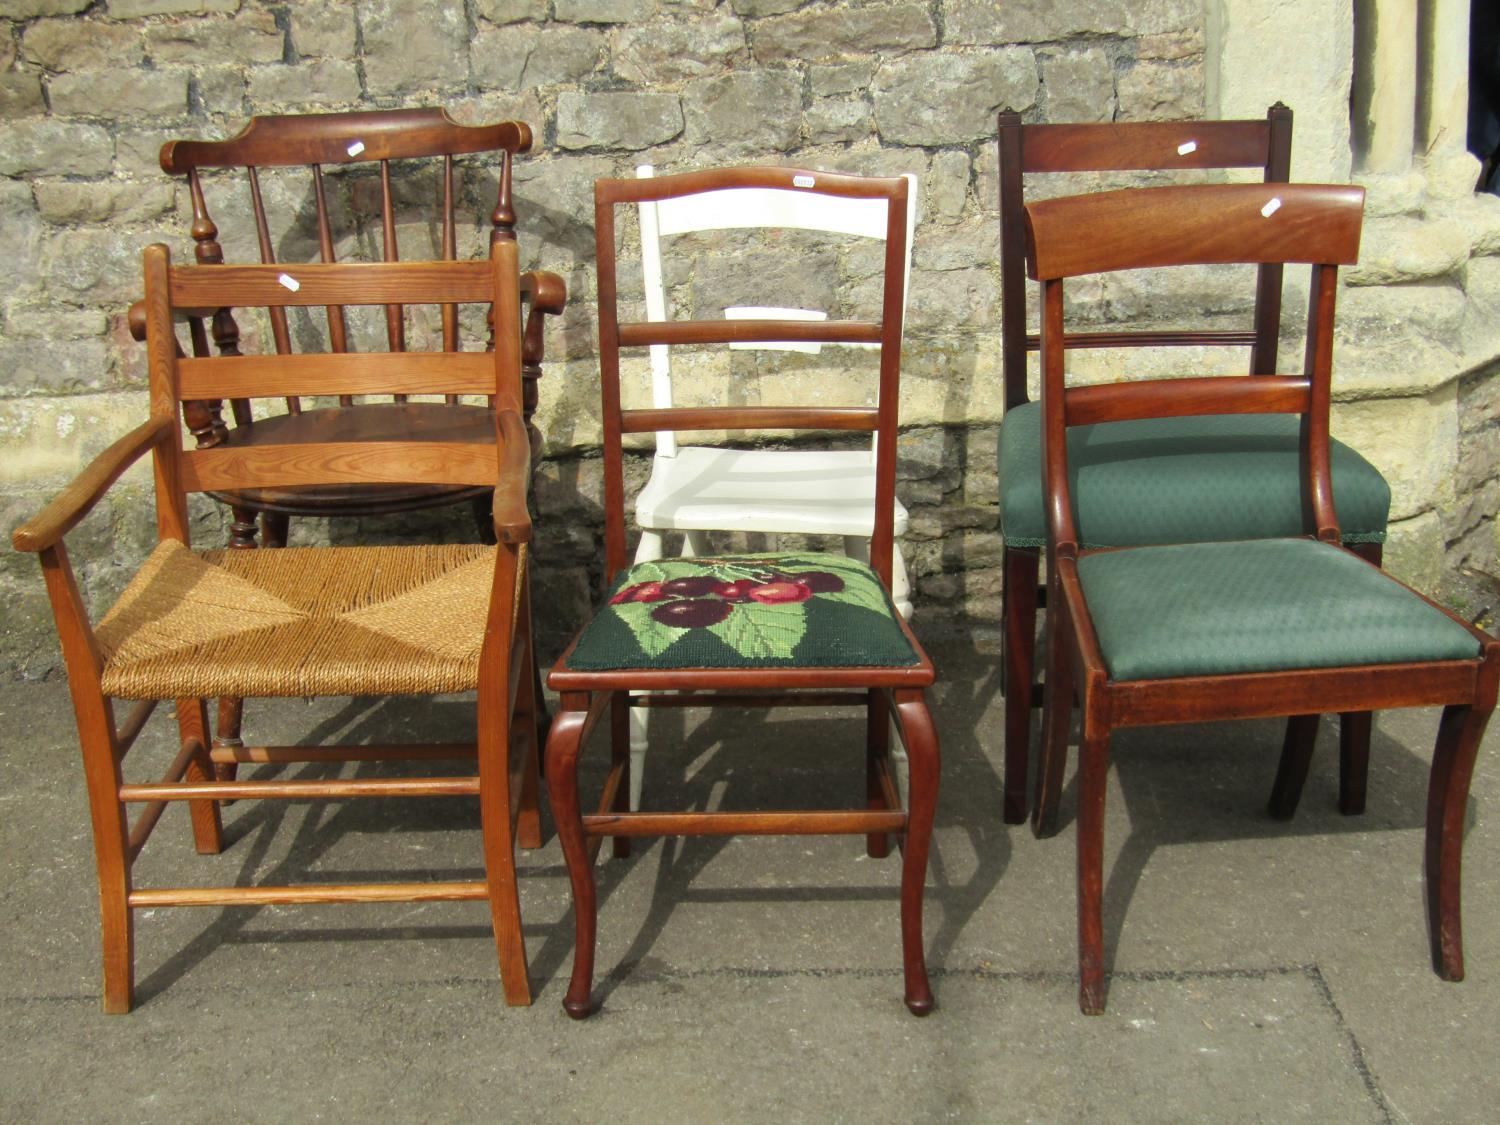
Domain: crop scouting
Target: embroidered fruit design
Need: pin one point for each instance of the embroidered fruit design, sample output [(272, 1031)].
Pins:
[(700, 600)]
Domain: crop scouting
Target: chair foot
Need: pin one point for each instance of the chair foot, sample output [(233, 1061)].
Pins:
[(921, 1005), (920, 736), (1091, 997), (579, 1009)]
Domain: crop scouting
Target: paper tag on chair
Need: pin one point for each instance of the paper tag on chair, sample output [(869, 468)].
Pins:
[(1272, 206), (802, 181), (356, 148), (290, 282), (1186, 147)]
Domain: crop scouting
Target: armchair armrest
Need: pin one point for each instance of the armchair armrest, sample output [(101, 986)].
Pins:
[(70, 505), (548, 295), (512, 520)]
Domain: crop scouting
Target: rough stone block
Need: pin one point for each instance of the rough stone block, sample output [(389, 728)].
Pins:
[(672, 50), (967, 246), (45, 366), (97, 265), (324, 31), (1412, 441), (251, 36), (616, 120), (498, 55), (938, 99), (29, 9), (1414, 552), (54, 324), (757, 8), (1039, 21), (822, 33), (125, 92), (21, 94), (510, 11), (322, 82), (948, 186), (218, 90), (1154, 91), (837, 120), (716, 110), (54, 148), (967, 298), (411, 45), (1079, 85), (603, 11), (67, 202), (134, 9), (1399, 250), (65, 44), (563, 54), (840, 78)]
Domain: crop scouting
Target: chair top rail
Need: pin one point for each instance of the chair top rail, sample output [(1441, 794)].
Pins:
[(280, 140), (1185, 397), (1144, 146), (730, 197), (1210, 224)]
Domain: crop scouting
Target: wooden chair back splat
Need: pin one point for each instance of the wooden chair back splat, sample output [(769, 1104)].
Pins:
[(1202, 632), (309, 621)]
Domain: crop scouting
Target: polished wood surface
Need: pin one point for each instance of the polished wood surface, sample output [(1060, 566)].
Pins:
[(884, 695), (1466, 689), (484, 446)]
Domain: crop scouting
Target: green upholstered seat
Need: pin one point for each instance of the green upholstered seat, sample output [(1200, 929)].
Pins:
[(779, 610), (1203, 609), (1181, 480)]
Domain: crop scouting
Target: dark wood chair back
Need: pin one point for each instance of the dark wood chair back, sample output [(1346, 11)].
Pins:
[(1124, 147), (888, 194), (326, 140), (1263, 224)]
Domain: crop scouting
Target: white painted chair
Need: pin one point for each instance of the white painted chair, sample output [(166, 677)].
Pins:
[(698, 489)]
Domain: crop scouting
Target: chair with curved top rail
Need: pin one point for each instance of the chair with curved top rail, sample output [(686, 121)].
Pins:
[(304, 621), (1158, 480), (760, 629), (1281, 625)]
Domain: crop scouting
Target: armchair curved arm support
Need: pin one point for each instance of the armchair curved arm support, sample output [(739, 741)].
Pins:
[(548, 295), (512, 520), (62, 514)]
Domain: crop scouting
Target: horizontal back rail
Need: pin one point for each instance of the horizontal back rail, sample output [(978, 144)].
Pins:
[(1180, 398), (786, 179), (362, 283), (1145, 146), (644, 333), (414, 373), (749, 418), (380, 462), (1163, 338), (342, 138), (1210, 224)]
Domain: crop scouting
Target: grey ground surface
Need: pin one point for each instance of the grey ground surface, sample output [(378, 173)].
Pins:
[(1261, 971)]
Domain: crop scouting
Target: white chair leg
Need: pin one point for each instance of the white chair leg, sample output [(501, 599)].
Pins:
[(694, 544)]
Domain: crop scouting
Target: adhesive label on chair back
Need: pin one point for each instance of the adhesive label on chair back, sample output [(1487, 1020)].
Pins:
[(780, 610)]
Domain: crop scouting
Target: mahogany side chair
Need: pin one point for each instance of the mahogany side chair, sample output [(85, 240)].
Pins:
[(1275, 626), (768, 629), (1221, 477), (405, 620), (694, 489), (362, 174)]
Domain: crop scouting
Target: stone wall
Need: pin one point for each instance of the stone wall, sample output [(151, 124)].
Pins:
[(89, 89)]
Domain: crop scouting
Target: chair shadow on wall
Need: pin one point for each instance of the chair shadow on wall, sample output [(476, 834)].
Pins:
[(1160, 772)]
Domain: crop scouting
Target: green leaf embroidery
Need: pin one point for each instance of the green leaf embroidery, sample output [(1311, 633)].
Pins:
[(650, 634), (761, 632)]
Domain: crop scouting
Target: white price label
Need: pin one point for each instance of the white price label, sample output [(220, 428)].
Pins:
[(802, 181), (356, 148), (290, 282), (1272, 206), (1186, 147)]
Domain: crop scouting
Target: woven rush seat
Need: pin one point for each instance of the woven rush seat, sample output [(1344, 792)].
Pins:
[(776, 610), (299, 622), (1177, 480), (1212, 609)]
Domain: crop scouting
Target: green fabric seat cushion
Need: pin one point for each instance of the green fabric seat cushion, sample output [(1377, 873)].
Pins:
[(1202, 609), (1181, 480), (779, 610)]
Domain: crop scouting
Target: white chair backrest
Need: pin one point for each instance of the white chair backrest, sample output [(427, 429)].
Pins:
[(734, 208)]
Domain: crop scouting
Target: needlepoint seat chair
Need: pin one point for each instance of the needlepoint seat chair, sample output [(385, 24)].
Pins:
[(1153, 480), (749, 630), (1274, 626), (696, 489), (400, 620)]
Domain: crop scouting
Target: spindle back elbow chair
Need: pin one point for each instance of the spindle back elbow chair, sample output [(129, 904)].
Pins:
[(1272, 626), (405, 620), (749, 630), (1221, 477), (337, 176)]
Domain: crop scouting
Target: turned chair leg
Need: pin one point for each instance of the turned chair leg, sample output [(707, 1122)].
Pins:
[(877, 755), (564, 741), (1019, 612), (920, 736), (1093, 771), (1459, 733)]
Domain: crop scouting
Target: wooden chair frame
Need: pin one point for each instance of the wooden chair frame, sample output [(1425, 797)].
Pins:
[(882, 693), (505, 750), (1315, 224), (1144, 146)]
